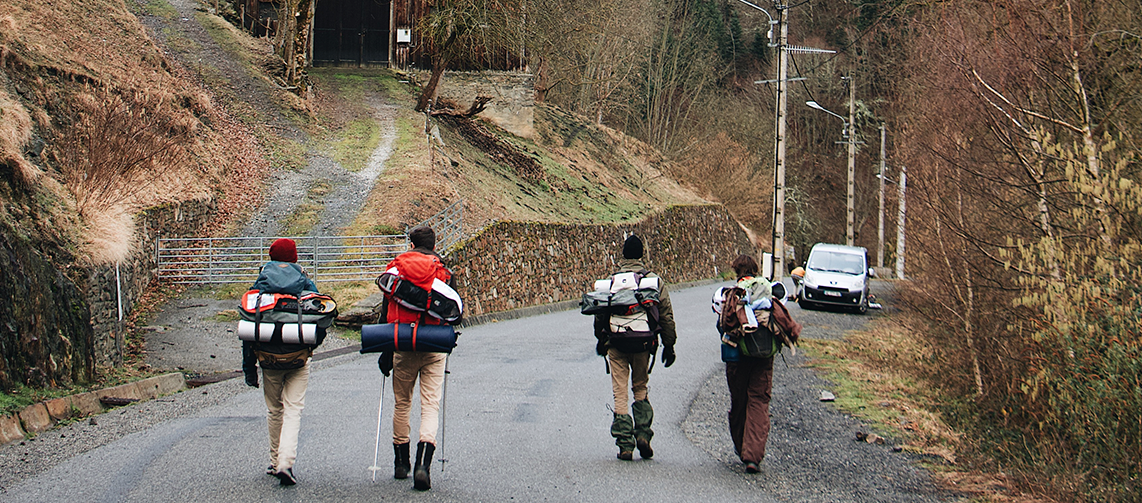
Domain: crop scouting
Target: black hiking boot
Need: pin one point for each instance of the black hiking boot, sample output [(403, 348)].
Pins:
[(644, 449), (286, 477), (401, 464), (420, 479)]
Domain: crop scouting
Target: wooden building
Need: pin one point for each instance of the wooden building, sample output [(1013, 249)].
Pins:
[(368, 33)]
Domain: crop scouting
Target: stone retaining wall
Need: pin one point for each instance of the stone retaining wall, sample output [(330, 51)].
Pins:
[(510, 265), (105, 289)]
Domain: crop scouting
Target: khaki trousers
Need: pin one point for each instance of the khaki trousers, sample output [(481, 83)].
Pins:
[(632, 368), (285, 398), (429, 367)]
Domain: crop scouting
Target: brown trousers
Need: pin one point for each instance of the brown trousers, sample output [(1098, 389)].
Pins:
[(751, 383)]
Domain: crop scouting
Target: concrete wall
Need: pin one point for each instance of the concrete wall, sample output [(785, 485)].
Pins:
[(510, 265), (104, 292), (513, 97)]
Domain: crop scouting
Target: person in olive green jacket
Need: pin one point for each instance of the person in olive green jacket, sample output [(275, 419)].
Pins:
[(631, 365)]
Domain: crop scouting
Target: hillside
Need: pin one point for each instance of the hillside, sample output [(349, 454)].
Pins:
[(95, 132)]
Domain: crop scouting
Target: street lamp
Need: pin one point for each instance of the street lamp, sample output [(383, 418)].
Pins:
[(844, 121), (846, 137)]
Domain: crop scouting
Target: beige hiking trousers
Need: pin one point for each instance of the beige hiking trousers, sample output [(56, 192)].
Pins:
[(407, 367), (632, 368), (285, 398)]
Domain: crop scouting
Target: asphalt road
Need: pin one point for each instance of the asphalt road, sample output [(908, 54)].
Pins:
[(527, 419)]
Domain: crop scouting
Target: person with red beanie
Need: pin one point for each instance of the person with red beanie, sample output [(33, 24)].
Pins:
[(285, 366)]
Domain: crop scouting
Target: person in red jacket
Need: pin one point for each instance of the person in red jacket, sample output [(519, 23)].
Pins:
[(421, 266)]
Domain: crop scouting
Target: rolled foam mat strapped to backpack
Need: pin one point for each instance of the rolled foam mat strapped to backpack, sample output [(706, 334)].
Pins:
[(285, 332), (407, 337)]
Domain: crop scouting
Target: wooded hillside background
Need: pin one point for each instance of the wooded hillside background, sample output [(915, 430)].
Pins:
[(1018, 122)]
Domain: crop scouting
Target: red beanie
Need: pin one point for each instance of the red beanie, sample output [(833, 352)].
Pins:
[(283, 250)]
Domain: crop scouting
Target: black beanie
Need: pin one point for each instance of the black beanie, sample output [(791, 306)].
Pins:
[(632, 248)]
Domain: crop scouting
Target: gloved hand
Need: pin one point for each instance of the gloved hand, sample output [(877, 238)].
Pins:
[(667, 356), (385, 362), (251, 378), (601, 347)]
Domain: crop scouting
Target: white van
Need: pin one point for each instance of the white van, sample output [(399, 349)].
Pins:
[(836, 275)]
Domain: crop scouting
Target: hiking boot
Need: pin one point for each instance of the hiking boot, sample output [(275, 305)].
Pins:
[(286, 477), (644, 449), (623, 430), (401, 461), (751, 467), (420, 478), (643, 417), (270, 470)]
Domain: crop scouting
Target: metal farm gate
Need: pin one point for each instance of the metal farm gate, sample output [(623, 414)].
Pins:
[(325, 258)]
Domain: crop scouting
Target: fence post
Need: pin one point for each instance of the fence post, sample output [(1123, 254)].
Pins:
[(316, 240)]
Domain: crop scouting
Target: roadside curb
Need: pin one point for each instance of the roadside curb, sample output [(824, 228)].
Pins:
[(42, 416)]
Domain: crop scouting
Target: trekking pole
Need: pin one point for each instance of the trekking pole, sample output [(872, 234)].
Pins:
[(377, 447), (443, 413)]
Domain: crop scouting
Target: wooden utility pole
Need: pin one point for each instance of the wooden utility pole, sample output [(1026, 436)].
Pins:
[(900, 224), (880, 223), (851, 140), (779, 147)]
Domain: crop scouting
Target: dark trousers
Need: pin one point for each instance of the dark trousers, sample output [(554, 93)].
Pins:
[(751, 383)]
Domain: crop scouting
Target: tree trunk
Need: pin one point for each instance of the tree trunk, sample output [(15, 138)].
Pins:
[(429, 92)]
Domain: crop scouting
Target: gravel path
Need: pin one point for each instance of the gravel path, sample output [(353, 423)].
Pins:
[(184, 335)]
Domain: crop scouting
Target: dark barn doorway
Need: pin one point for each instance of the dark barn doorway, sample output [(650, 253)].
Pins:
[(351, 32)]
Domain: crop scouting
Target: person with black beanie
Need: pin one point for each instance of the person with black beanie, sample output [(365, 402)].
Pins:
[(631, 365)]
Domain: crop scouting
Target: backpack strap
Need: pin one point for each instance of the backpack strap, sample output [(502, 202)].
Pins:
[(300, 329), (257, 315)]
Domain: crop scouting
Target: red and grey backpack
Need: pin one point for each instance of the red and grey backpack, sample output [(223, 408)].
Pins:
[(417, 284)]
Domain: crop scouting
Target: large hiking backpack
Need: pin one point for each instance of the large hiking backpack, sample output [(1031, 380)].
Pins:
[(630, 300), (285, 318), (752, 332), (413, 286)]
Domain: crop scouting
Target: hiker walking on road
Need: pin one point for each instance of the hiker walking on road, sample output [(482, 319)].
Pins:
[(750, 379), (630, 359), (285, 366), (421, 264)]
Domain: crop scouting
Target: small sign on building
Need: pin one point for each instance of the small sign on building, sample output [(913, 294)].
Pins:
[(404, 35)]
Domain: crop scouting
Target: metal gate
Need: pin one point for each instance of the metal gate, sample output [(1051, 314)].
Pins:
[(325, 258)]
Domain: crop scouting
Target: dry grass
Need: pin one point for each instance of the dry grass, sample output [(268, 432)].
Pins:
[(883, 376), (46, 34), (15, 131), (127, 150), (880, 372)]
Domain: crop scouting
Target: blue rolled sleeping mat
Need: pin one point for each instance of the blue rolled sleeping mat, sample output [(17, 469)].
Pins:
[(407, 337)]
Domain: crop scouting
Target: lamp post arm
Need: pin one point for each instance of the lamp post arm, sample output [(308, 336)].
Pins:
[(771, 20)]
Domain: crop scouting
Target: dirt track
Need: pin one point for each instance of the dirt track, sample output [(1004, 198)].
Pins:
[(184, 334)]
